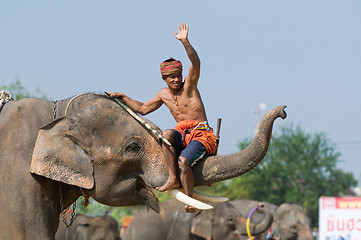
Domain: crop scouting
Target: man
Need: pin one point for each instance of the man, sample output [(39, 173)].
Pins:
[(192, 138)]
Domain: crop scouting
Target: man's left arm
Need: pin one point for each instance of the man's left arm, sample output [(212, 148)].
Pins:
[(194, 69)]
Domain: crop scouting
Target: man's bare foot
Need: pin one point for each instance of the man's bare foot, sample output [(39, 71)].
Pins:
[(170, 184), (189, 209)]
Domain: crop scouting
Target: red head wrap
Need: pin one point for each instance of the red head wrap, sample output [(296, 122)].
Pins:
[(171, 66)]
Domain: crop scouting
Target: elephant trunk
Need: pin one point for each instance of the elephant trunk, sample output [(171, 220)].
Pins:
[(256, 229), (219, 168)]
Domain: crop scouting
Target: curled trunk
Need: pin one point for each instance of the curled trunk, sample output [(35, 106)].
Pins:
[(219, 168), (259, 228)]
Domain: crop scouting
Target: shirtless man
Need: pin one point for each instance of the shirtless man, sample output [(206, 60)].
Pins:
[(192, 138)]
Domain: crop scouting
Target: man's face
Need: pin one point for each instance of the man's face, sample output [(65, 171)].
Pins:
[(174, 81)]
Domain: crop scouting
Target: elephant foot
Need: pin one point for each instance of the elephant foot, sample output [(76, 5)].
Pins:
[(170, 184)]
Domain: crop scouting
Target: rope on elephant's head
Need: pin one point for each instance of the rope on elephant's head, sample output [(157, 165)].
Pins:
[(86, 198), (147, 125), (71, 100), (64, 210), (4, 97), (249, 220)]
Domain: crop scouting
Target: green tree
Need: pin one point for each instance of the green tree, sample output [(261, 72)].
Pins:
[(298, 168), (18, 91)]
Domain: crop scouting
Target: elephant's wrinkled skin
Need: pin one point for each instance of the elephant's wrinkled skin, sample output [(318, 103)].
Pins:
[(290, 220), (97, 147), (89, 228), (223, 222), (93, 144)]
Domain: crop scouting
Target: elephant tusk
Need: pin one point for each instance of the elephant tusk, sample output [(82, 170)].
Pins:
[(188, 200), (205, 197)]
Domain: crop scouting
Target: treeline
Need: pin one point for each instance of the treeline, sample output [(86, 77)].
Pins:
[(299, 167)]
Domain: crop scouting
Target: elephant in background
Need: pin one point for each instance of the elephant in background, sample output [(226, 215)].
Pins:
[(223, 222), (89, 228), (290, 221), (53, 152)]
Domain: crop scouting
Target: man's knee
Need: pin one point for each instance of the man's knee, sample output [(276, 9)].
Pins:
[(183, 164), (168, 134)]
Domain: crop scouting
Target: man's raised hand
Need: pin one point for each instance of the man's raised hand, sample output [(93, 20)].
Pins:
[(182, 32)]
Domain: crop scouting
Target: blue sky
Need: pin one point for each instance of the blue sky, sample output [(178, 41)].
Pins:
[(303, 54)]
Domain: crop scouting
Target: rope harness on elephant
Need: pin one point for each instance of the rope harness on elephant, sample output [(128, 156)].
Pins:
[(62, 209), (4, 98), (86, 197)]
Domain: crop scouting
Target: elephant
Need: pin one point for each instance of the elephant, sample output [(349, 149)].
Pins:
[(53, 152), (89, 228), (290, 221), (222, 222)]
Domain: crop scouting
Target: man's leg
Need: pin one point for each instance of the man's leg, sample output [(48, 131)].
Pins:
[(170, 156), (190, 155), (187, 180)]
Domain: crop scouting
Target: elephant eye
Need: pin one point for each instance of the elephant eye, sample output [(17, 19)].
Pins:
[(294, 228), (230, 219), (133, 147)]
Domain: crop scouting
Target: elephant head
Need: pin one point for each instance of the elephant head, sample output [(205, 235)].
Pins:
[(90, 228), (220, 223), (98, 147), (291, 223), (225, 222)]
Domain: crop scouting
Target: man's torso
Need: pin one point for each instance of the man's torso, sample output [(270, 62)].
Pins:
[(184, 106)]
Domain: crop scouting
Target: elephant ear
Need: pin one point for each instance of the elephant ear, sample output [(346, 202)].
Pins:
[(57, 155), (202, 225)]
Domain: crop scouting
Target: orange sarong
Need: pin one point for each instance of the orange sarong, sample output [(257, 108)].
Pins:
[(194, 130)]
